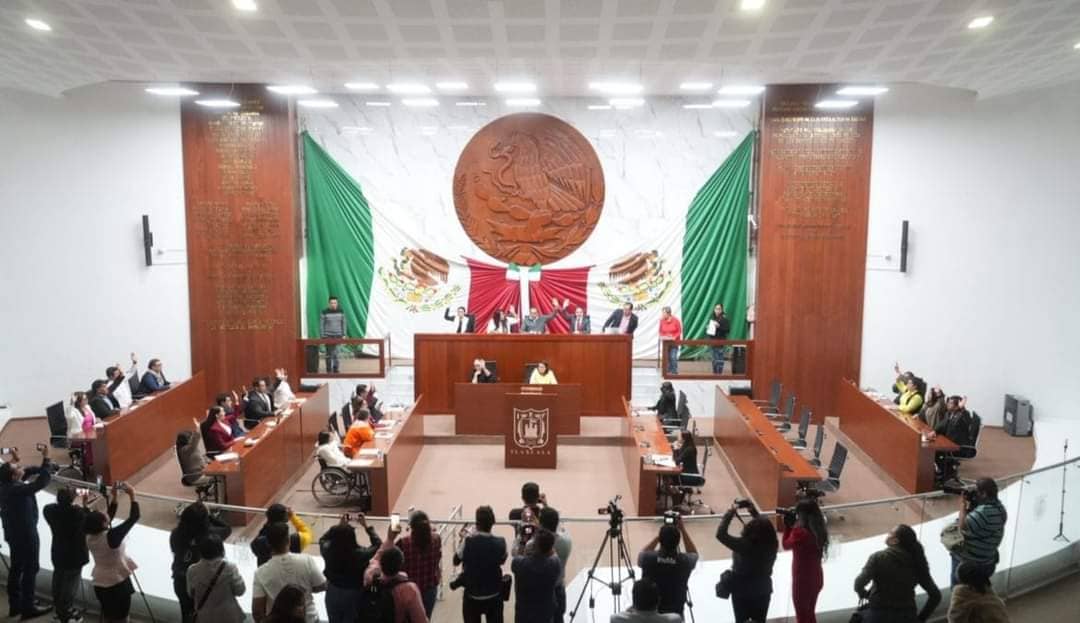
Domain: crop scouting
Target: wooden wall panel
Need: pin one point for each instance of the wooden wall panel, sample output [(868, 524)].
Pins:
[(240, 185), (814, 194)]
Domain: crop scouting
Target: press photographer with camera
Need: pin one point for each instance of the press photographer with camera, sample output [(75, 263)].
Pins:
[(807, 537), (753, 553), (982, 522), (345, 561), (527, 517), (19, 515), (536, 573), (894, 572), (481, 557), (668, 567)]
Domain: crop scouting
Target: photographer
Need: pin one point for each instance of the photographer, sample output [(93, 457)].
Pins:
[(69, 553), (669, 568), (112, 570), (982, 521), (807, 537), (535, 577), (346, 561), (752, 556), (481, 556), (528, 516), (894, 573), (19, 515)]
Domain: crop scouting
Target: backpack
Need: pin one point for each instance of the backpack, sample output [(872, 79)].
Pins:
[(377, 603)]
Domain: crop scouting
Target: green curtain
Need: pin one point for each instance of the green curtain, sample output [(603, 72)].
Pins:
[(715, 247), (340, 244)]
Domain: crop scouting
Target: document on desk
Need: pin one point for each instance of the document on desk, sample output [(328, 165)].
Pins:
[(368, 452), (663, 460), (384, 435), (361, 463), (226, 456)]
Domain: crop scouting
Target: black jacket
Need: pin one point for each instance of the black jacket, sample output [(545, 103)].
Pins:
[(751, 564), (18, 504), (256, 409), (956, 426), (894, 575), (723, 327), (470, 321), (68, 539), (347, 571), (482, 557), (185, 549), (102, 406), (615, 319), (262, 550)]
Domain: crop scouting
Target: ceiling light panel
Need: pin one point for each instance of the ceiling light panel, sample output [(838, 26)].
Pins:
[(695, 86), (616, 88), (515, 87), (37, 24), (171, 91), (862, 90), (408, 88), (836, 104), (361, 86), (981, 22), (291, 89)]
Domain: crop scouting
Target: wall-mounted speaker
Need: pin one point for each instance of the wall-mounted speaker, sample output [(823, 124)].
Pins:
[(147, 240), (903, 246)]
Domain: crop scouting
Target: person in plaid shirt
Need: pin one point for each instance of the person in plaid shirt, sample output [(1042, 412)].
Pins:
[(423, 553)]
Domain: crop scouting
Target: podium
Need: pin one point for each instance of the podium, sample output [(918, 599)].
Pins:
[(530, 433)]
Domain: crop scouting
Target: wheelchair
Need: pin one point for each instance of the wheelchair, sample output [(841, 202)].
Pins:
[(334, 486)]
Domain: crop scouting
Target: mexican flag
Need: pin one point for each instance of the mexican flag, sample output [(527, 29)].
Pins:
[(391, 284)]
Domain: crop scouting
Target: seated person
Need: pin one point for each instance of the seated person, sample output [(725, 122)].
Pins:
[(232, 412), (298, 541), (360, 432), (666, 406), (911, 400), (900, 384), (956, 425), (685, 455), (502, 321), (329, 450), (99, 400), (260, 404), (578, 321), (153, 380), (282, 392), (543, 375), (216, 432), (480, 373), (119, 387), (80, 418), (646, 598), (934, 410), (191, 455)]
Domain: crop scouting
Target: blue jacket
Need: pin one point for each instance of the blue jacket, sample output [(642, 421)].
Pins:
[(18, 504), (150, 384)]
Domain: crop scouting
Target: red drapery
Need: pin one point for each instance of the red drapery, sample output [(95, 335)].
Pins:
[(561, 284), (490, 290)]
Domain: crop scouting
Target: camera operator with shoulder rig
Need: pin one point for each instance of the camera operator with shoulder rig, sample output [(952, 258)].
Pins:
[(668, 567), (982, 522)]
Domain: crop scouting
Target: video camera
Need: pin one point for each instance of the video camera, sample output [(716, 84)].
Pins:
[(787, 514), (671, 518), (968, 492), (614, 513)]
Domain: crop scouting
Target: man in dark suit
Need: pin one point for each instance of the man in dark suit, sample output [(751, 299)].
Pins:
[(260, 404), (100, 401), (463, 322), (579, 322), (153, 380), (625, 320)]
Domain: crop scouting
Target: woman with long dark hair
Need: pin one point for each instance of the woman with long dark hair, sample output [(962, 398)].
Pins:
[(289, 606), (752, 556), (502, 321), (194, 526), (718, 328), (666, 405), (685, 453), (973, 597), (808, 539), (422, 549), (346, 561), (895, 571), (112, 570), (215, 430)]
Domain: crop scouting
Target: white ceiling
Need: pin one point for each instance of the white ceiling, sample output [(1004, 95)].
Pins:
[(561, 44)]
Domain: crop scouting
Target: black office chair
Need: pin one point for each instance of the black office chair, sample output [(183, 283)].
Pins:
[(949, 465), (529, 367), (785, 425), (831, 484), (690, 485), (787, 414), (819, 441), (493, 368), (966, 453), (804, 425), (773, 403), (332, 424), (58, 430)]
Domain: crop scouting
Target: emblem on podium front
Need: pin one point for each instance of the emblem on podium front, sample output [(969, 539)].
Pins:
[(531, 428)]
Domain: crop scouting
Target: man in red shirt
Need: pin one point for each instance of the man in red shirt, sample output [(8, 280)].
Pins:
[(671, 329)]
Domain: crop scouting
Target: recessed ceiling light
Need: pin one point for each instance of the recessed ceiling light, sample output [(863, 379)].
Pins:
[(291, 89), (37, 24), (616, 88), (451, 86), (218, 103), (724, 133), (408, 88), (751, 5), (377, 103), (174, 91), (731, 103), (740, 89), (866, 90), (420, 102), (695, 86), (622, 103), (515, 87), (696, 106), (321, 103), (472, 103), (836, 104), (981, 22), (522, 102), (1077, 46), (361, 86), (244, 5), (599, 106)]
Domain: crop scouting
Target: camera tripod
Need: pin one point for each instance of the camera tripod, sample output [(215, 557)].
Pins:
[(618, 558)]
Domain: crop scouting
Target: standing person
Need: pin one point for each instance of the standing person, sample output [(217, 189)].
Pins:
[(535, 323), (646, 599), (624, 319), (284, 515), (579, 321), (153, 380), (422, 549), (19, 516), (502, 321), (346, 561), (481, 557), (536, 573), (214, 584), (717, 329), (669, 567), (752, 556), (384, 572), (982, 520), (549, 520), (333, 325), (112, 570), (195, 525), (895, 571), (283, 568), (69, 553), (670, 329), (463, 322), (806, 536), (973, 598), (119, 387)]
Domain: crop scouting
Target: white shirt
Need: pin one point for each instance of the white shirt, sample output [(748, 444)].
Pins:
[(491, 328), (285, 569), (74, 421), (283, 393), (332, 455)]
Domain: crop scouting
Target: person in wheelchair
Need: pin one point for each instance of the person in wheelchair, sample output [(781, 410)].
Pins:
[(330, 454)]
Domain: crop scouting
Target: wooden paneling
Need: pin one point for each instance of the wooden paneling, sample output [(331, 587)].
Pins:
[(479, 408), (769, 468), (889, 438), (599, 363), (314, 414), (641, 435), (240, 187), (399, 456), (139, 434), (814, 195)]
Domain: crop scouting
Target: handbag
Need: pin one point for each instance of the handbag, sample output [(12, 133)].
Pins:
[(952, 537), (859, 614), (507, 584), (724, 586), (209, 589)]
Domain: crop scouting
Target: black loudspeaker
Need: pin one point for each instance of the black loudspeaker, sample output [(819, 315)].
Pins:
[(147, 240), (903, 246)]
